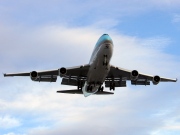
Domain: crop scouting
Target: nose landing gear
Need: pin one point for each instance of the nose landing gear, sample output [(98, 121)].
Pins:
[(105, 63)]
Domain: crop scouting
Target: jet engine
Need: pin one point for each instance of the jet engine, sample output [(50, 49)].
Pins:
[(62, 71), (134, 75), (156, 79), (34, 75)]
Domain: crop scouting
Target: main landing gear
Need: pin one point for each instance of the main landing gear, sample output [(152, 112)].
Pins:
[(90, 87), (101, 88), (80, 85), (112, 86)]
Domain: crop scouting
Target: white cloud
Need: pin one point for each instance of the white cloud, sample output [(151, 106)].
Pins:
[(78, 13), (8, 122), (11, 133), (176, 18)]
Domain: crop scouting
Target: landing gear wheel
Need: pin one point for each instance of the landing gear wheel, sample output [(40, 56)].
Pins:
[(101, 88), (112, 86), (79, 85), (90, 88)]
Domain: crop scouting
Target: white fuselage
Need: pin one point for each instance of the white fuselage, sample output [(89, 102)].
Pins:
[(99, 64)]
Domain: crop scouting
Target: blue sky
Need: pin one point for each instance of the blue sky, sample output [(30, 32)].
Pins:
[(42, 35)]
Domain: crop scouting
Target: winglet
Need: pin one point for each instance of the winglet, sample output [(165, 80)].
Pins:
[(176, 79), (4, 74)]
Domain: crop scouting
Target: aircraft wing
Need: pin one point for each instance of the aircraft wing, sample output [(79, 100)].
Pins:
[(41, 73), (78, 71), (124, 74), (51, 75)]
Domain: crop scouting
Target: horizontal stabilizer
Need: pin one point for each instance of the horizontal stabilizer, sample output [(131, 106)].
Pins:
[(103, 93), (75, 91), (71, 91)]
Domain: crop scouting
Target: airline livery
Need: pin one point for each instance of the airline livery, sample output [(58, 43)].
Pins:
[(89, 78)]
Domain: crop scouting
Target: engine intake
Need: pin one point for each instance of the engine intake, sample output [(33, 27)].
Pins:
[(34, 75), (156, 79), (62, 71), (134, 75)]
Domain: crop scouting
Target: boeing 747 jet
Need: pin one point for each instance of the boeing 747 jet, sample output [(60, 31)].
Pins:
[(90, 78)]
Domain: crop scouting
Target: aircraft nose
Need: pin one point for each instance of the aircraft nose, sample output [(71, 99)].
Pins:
[(104, 38), (107, 38)]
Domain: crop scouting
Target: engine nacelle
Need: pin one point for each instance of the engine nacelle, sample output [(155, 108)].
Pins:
[(62, 71), (34, 75), (134, 75), (156, 80)]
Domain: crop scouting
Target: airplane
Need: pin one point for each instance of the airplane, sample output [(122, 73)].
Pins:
[(89, 78)]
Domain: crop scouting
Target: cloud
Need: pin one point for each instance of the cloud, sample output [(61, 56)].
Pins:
[(9, 122), (11, 133), (166, 3), (114, 114), (176, 18), (78, 13)]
